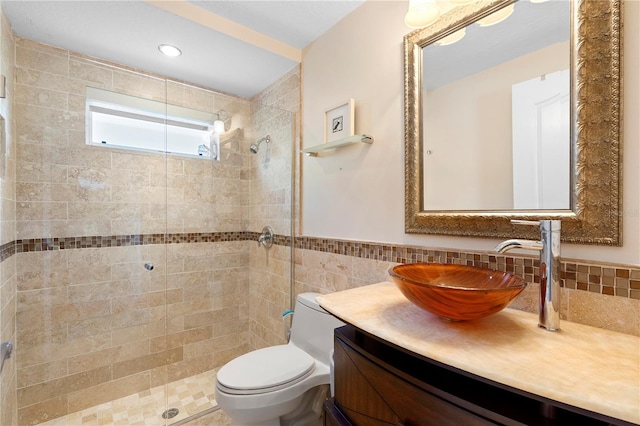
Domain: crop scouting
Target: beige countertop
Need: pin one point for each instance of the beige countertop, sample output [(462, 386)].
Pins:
[(586, 367)]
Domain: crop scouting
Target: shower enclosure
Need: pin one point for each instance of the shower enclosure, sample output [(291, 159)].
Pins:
[(138, 269)]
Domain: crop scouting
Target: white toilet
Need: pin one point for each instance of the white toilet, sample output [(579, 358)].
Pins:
[(284, 384)]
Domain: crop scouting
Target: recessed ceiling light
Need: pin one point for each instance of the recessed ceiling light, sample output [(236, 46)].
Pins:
[(169, 50)]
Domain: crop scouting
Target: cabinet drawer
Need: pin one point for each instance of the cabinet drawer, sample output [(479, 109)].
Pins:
[(333, 416), (368, 394)]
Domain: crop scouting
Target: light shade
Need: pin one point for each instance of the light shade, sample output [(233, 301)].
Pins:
[(218, 127), (451, 38), (497, 16), (421, 13), (169, 50)]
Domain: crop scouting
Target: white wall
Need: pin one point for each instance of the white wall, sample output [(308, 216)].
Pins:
[(357, 193)]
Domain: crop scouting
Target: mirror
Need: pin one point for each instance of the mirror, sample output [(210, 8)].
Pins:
[(581, 187)]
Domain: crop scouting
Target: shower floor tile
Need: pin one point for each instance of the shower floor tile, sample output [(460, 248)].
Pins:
[(191, 396)]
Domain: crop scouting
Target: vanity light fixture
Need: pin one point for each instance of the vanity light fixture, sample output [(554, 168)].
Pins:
[(421, 13), (451, 38), (169, 50), (497, 16)]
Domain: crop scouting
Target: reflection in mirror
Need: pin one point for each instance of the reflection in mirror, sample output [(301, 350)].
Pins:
[(458, 179), (508, 82)]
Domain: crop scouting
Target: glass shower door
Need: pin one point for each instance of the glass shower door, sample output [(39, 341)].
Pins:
[(91, 259)]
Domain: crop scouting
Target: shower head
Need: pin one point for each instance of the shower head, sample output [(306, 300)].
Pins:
[(254, 146)]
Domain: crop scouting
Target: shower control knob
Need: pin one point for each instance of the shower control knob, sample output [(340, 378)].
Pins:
[(148, 266)]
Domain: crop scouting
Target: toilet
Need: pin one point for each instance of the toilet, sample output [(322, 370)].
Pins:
[(284, 384)]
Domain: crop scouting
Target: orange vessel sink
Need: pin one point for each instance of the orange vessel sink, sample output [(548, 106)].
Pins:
[(456, 292)]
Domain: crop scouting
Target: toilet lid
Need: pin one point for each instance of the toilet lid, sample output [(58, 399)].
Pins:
[(265, 370)]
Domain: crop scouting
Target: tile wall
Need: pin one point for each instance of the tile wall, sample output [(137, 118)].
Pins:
[(8, 377), (92, 323), (274, 112)]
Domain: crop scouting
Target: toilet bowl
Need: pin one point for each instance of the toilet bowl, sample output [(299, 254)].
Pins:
[(283, 384)]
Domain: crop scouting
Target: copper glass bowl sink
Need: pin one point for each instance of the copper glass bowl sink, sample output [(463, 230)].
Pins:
[(456, 292)]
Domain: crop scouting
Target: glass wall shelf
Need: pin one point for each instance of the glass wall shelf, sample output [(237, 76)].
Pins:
[(314, 150)]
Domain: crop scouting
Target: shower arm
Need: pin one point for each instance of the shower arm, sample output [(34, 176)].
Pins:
[(254, 146)]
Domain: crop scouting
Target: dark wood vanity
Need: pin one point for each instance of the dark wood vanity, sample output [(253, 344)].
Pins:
[(379, 383)]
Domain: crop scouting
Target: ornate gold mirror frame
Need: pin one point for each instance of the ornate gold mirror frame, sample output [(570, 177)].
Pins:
[(596, 76)]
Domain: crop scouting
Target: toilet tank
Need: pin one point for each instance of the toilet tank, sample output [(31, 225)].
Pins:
[(312, 327)]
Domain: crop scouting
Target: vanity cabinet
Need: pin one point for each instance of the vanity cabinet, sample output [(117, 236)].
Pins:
[(378, 383)]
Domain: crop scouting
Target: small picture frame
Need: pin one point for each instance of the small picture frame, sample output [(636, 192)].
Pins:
[(339, 122)]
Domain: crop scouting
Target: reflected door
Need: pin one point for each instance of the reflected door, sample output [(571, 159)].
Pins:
[(541, 148)]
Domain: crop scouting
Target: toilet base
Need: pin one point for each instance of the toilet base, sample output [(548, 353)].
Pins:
[(308, 411)]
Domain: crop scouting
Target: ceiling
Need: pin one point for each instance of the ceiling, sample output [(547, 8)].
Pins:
[(238, 47), (531, 27)]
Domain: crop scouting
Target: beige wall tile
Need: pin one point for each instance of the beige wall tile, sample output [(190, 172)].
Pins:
[(40, 336), (105, 357), (8, 279), (147, 362), (42, 391), (40, 47), (51, 351), (46, 210), (108, 391), (138, 333), (54, 61), (198, 98), (34, 172), (133, 302), (43, 79), (191, 367), (42, 373), (609, 312), (180, 339), (138, 85), (126, 319), (73, 192), (43, 411), (47, 315), (61, 228), (55, 118), (94, 75), (38, 300), (208, 318), (37, 96)]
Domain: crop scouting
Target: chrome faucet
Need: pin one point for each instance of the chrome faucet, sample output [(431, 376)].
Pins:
[(549, 248), (266, 237)]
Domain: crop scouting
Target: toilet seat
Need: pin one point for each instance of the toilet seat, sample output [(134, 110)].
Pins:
[(265, 370)]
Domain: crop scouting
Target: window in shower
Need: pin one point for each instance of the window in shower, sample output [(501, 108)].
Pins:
[(123, 121)]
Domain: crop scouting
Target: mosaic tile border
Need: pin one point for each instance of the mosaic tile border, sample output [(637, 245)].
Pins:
[(7, 250), (608, 279), (99, 241)]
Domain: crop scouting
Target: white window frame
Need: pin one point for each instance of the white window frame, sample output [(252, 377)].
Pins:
[(190, 126)]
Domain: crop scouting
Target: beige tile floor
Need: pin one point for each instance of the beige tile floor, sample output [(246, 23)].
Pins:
[(191, 396)]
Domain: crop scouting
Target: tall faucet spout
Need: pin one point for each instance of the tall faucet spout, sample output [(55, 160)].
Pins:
[(549, 248), (507, 245)]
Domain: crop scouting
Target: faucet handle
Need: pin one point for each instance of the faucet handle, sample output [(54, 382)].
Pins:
[(545, 224), (525, 222)]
